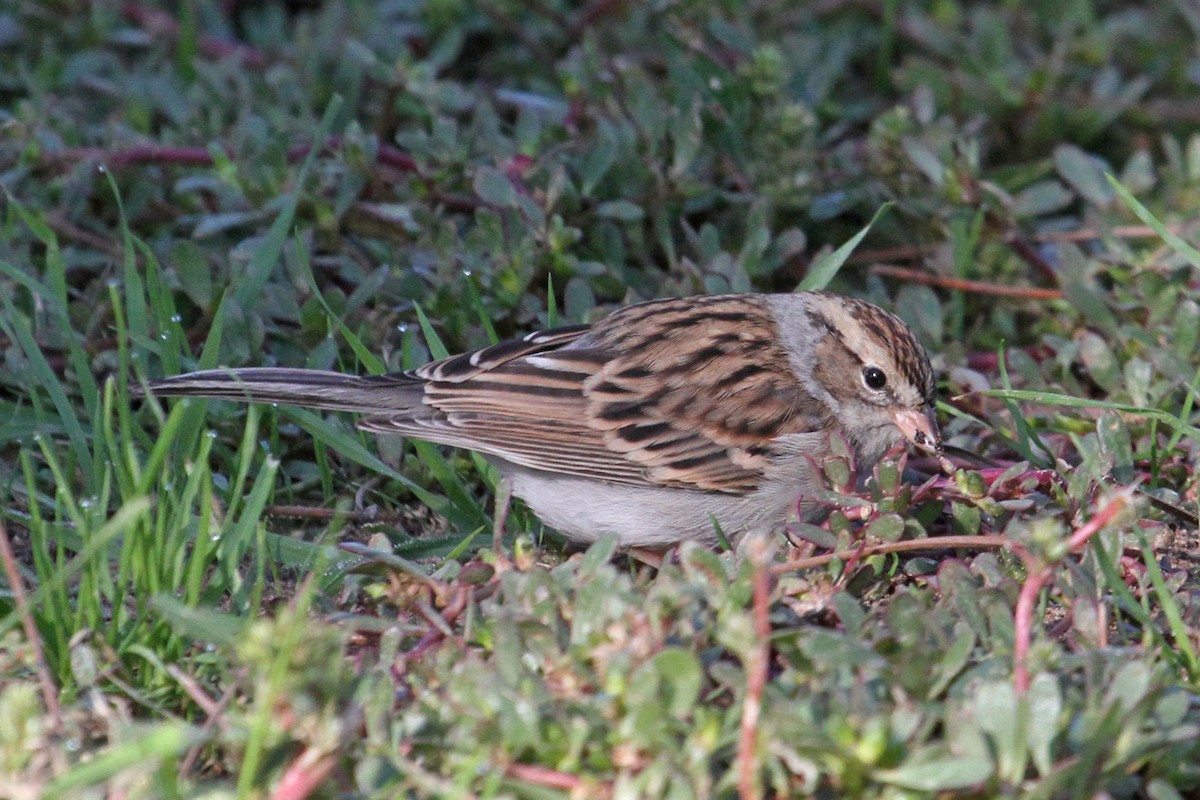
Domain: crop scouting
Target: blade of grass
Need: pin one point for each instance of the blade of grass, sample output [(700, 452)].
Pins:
[(1068, 401), (136, 317), (241, 537), (17, 329), (1024, 434), (822, 272), (480, 310), (54, 294), (1185, 412), (472, 513), (153, 745), (551, 303), (120, 522), (1182, 248), (262, 263), (373, 365), (1180, 632)]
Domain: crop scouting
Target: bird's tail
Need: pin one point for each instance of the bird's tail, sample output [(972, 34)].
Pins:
[(308, 388)]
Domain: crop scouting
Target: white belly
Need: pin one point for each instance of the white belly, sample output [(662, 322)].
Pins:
[(586, 510)]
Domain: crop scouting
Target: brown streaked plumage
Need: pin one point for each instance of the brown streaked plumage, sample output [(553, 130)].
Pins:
[(656, 420)]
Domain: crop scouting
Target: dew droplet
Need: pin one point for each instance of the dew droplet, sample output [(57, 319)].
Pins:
[(176, 318)]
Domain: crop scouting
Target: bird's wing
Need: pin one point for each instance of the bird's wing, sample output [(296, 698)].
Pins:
[(663, 393)]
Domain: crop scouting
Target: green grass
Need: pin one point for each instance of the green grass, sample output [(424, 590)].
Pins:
[(266, 602)]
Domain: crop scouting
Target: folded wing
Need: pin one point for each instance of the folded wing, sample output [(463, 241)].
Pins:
[(643, 397)]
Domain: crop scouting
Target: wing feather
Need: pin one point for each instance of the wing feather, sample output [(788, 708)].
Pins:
[(682, 393)]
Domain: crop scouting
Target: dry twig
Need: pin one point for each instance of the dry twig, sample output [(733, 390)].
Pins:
[(21, 600)]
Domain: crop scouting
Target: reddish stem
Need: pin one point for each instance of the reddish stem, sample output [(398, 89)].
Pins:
[(964, 285), (928, 543), (544, 776), (452, 611), (201, 157), (1037, 576), (1023, 624), (160, 23), (305, 775), (16, 585), (757, 662)]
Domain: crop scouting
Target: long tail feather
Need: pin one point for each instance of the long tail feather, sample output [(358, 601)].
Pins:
[(309, 388)]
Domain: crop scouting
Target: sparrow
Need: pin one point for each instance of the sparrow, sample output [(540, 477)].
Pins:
[(656, 424)]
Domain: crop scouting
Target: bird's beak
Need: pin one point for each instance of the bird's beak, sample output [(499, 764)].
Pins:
[(920, 428)]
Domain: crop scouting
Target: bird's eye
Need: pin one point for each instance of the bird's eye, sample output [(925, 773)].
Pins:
[(874, 378)]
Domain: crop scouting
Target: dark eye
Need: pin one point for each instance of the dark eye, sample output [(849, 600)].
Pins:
[(874, 378)]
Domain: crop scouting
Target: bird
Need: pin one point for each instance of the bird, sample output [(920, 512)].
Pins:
[(671, 420)]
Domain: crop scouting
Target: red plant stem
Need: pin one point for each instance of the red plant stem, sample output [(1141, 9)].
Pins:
[(910, 252), (452, 611), (21, 600), (1023, 624), (1037, 574), (305, 775), (544, 776), (385, 154), (201, 157), (1028, 252), (157, 22), (964, 285), (757, 662), (1096, 523), (928, 543)]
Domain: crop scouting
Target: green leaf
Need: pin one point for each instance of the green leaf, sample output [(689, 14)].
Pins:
[(1045, 704), (266, 256), (939, 774), (195, 275), (494, 188), (1084, 172), (621, 210), (598, 555), (997, 711), (1069, 401), (886, 527), (201, 624), (143, 747), (599, 159), (681, 678)]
